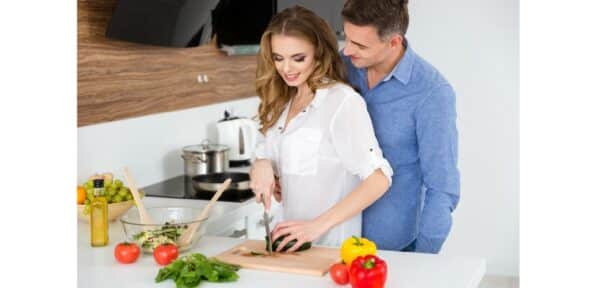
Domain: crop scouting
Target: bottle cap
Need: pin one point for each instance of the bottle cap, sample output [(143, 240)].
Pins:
[(98, 183)]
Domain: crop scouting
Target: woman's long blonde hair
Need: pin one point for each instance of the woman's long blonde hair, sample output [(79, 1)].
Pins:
[(273, 92)]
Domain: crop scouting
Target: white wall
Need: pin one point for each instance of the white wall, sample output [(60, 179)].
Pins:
[(475, 44), (151, 145)]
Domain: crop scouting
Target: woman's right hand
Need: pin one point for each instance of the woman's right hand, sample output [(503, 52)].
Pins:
[(262, 181)]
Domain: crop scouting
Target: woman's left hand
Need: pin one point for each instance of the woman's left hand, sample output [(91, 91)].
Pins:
[(302, 231)]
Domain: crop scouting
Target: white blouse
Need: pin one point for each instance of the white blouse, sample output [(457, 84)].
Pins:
[(322, 155)]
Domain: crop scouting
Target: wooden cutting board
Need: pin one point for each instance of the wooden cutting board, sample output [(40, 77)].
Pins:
[(314, 261)]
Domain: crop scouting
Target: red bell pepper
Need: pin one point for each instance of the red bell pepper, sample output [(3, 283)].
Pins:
[(368, 271)]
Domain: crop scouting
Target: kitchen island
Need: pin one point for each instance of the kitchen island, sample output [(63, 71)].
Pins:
[(98, 268)]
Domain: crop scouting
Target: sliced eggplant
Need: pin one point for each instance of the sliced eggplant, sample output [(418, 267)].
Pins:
[(287, 246)]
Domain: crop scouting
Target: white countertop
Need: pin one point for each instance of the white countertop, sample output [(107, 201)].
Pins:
[(98, 268)]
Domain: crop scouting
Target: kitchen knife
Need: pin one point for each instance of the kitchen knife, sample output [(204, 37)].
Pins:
[(267, 229)]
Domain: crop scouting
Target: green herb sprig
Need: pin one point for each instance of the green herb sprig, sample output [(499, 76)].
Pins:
[(189, 271)]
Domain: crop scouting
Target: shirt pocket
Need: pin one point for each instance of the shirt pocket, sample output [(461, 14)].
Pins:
[(301, 152)]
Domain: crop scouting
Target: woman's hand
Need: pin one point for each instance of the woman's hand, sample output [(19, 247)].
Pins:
[(262, 181), (302, 231)]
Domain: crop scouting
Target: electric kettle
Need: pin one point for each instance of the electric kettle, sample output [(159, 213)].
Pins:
[(240, 135)]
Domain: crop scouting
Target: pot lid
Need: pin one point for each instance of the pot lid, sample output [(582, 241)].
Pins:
[(204, 147)]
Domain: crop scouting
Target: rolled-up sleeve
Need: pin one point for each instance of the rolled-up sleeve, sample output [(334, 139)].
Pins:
[(354, 139), (264, 150), (260, 152)]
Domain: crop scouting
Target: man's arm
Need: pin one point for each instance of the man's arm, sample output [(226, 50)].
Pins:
[(438, 152)]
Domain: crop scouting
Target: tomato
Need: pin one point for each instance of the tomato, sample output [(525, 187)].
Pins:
[(127, 252), (165, 253), (339, 273)]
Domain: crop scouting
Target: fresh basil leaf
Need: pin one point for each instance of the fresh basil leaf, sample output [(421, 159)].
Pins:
[(169, 271), (189, 271)]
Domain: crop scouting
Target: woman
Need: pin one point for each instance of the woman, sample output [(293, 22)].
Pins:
[(319, 140)]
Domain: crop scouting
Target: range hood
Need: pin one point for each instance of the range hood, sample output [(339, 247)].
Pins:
[(171, 23)]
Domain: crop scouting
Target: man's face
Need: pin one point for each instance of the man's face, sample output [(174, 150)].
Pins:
[(363, 45)]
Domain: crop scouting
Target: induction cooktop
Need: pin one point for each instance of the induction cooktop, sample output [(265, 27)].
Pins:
[(181, 187)]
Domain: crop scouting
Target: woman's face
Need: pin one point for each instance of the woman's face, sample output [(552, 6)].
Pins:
[(294, 59)]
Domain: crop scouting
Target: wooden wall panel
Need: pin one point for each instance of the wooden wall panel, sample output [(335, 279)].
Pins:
[(117, 80)]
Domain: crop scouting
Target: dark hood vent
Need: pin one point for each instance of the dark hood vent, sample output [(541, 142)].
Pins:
[(171, 23)]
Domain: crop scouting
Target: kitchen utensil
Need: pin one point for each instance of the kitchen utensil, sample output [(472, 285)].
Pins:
[(188, 234), (239, 134), (211, 182), (115, 210), (267, 229), (205, 158), (178, 219), (314, 261), (136, 196)]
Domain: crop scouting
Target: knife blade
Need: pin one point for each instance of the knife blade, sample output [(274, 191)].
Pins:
[(267, 230)]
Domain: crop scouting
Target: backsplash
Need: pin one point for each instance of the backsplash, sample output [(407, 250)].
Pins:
[(151, 145), (119, 80)]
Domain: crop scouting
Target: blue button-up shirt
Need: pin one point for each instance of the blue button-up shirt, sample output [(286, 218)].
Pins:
[(414, 115)]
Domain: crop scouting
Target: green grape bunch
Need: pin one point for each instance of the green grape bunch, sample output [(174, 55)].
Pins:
[(114, 192)]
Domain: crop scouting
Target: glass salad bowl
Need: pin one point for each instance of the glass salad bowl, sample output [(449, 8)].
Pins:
[(176, 225)]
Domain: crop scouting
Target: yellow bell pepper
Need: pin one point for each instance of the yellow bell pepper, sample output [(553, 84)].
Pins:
[(354, 247)]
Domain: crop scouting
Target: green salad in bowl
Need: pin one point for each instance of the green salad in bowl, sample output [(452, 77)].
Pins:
[(174, 221)]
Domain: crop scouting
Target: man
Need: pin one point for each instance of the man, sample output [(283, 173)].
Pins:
[(413, 111)]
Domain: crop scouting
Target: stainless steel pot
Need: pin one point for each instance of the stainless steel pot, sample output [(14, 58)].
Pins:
[(205, 158)]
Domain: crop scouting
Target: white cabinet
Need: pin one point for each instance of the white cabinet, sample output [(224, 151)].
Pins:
[(256, 227), (243, 221), (235, 229)]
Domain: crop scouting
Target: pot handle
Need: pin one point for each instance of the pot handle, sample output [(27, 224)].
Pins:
[(205, 143), (194, 158)]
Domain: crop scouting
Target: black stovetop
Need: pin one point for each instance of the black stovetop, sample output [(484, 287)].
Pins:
[(181, 187)]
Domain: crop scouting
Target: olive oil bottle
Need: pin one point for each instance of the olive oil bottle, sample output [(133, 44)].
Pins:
[(99, 215)]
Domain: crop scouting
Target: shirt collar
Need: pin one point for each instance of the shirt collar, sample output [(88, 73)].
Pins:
[(403, 69), (315, 103)]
